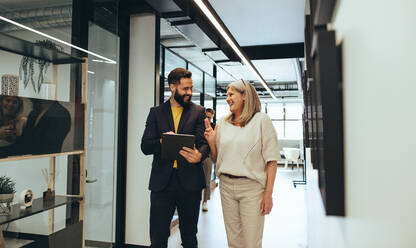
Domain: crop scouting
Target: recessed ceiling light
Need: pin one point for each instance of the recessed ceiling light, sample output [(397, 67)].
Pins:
[(104, 61)]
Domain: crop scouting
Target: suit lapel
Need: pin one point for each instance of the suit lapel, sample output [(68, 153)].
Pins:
[(168, 114), (185, 116)]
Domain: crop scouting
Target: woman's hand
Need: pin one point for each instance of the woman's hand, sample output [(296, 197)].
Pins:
[(209, 132), (266, 203)]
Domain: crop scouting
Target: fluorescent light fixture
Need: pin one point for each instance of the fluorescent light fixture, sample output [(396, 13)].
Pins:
[(224, 34), (91, 72), (104, 61), (56, 39)]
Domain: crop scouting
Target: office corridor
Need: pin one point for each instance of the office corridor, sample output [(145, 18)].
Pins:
[(285, 227)]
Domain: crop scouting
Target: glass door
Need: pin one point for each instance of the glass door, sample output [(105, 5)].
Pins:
[(102, 138)]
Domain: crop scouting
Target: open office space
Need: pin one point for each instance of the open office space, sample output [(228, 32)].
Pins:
[(335, 78)]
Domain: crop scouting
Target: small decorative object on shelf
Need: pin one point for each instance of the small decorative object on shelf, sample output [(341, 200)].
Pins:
[(10, 85), (27, 68), (48, 194), (7, 190), (26, 199)]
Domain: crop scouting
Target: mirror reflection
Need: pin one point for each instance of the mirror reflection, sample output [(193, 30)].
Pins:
[(36, 126)]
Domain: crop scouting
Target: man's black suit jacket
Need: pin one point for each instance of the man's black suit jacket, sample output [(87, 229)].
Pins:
[(159, 121)]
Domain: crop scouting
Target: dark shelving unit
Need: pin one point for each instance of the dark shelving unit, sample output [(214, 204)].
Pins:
[(30, 49), (38, 206)]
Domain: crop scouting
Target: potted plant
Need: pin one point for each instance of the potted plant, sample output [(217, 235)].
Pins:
[(7, 189), (27, 66)]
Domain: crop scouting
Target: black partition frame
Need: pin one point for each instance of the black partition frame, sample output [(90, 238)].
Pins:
[(323, 11), (113, 16), (162, 78)]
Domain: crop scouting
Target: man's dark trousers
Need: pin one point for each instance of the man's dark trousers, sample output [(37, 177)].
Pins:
[(171, 188), (163, 205)]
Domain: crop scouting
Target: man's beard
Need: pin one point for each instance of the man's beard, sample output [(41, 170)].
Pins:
[(180, 99)]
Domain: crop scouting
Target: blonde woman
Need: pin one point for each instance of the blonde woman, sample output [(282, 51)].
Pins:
[(245, 147)]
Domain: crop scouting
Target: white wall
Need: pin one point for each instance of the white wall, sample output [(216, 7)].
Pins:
[(141, 98), (379, 41)]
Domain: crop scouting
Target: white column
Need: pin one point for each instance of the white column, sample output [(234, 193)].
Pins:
[(141, 98)]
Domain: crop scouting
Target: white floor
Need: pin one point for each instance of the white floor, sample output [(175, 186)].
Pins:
[(285, 227)]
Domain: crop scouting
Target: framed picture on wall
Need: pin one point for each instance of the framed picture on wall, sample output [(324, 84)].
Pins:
[(328, 139)]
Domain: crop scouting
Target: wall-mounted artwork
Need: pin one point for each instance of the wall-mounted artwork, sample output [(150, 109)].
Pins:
[(323, 104), (10, 85), (327, 146)]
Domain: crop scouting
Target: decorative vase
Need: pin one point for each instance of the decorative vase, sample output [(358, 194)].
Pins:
[(10, 85), (48, 195), (5, 199)]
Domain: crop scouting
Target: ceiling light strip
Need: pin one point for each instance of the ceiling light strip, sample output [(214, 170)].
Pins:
[(56, 39), (224, 34)]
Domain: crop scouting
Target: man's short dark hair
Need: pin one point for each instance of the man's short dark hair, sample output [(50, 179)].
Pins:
[(176, 74), (210, 110)]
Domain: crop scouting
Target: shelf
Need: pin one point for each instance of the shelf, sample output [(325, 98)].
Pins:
[(14, 242), (24, 157), (29, 49), (38, 206)]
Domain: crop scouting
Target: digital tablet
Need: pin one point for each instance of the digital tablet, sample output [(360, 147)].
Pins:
[(173, 143)]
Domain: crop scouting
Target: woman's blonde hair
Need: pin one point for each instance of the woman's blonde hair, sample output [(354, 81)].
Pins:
[(251, 103)]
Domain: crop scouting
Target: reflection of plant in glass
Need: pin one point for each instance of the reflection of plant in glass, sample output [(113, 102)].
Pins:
[(27, 67), (7, 186)]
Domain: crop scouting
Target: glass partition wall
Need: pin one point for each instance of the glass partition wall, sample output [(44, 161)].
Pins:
[(169, 62), (287, 118), (204, 84), (198, 82), (102, 139), (45, 82)]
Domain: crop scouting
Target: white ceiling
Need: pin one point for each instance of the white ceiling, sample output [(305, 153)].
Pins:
[(263, 22), (272, 70), (252, 23), (278, 70)]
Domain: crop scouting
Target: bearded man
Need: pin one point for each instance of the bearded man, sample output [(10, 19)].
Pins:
[(176, 184)]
